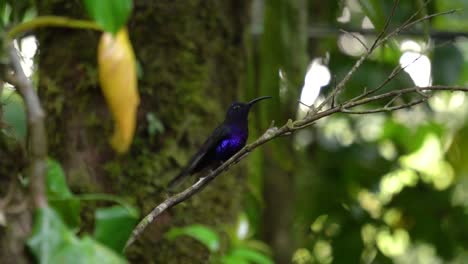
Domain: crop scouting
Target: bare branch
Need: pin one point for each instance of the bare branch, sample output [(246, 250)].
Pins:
[(410, 24), (275, 132), (379, 40), (310, 119), (200, 184), (397, 70), (392, 100), (304, 104), (386, 108), (36, 128)]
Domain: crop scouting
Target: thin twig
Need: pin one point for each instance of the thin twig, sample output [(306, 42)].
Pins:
[(392, 100), (410, 24), (36, 128), (319, 31), (304, 104), (395, 72), (386, 108), (356, 38), (386, 25), (341, 85)]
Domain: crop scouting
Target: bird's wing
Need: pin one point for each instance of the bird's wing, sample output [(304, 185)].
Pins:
[(220, 133)]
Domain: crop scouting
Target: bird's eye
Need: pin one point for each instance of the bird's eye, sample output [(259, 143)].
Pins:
[(236, 107)]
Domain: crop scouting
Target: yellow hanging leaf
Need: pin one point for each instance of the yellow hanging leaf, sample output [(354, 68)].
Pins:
[(118, 79)]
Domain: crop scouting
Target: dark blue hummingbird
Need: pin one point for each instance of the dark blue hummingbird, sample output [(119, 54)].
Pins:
[(225, 141)]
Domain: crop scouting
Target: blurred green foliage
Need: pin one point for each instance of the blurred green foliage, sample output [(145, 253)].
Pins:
[(378, 188), (383, 188), (240, 248), (16, 11), (60, 197), (54, 239)]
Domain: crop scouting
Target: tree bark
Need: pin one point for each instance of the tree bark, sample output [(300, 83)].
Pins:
[(191, 58), (15, 216)]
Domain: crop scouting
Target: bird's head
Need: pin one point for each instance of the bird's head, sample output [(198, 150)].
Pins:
[(238, 112)]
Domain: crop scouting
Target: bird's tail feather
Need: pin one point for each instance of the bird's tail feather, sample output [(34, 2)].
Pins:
[(177, 181)]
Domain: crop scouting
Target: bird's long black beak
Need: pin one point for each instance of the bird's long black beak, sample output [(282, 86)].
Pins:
[(258, 99)]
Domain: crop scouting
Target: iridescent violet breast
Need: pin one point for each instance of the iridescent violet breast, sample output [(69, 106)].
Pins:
[(230, 146)]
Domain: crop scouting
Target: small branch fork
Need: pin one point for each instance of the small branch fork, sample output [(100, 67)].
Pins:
[(14, 75), (315, 114)]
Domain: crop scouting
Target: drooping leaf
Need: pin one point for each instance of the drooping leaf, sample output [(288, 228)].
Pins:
[(86, 251), (203, 234), (48, 235), (59, 195), (118, 80), (114, 225), (111, 15)]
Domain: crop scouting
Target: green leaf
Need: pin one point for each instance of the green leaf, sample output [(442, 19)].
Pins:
[(251, 256), (56, 184), (59, 195), (86, 251), (203, 234), (69, 210), (155, 126), (114, 225), (48, 235), (111, 15), (52, 242), (231, 259), (29, 14)]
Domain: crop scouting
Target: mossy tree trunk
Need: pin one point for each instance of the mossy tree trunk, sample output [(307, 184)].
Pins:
[(191, 56)]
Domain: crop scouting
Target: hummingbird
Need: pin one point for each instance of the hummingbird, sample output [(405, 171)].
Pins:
[(225, 141)]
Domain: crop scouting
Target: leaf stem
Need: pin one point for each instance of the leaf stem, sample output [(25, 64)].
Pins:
[(51, 21)]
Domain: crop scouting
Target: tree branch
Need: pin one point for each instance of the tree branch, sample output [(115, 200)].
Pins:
[(377, 42), (36, 129), (318, 31), (275, 132), (313, 116)]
